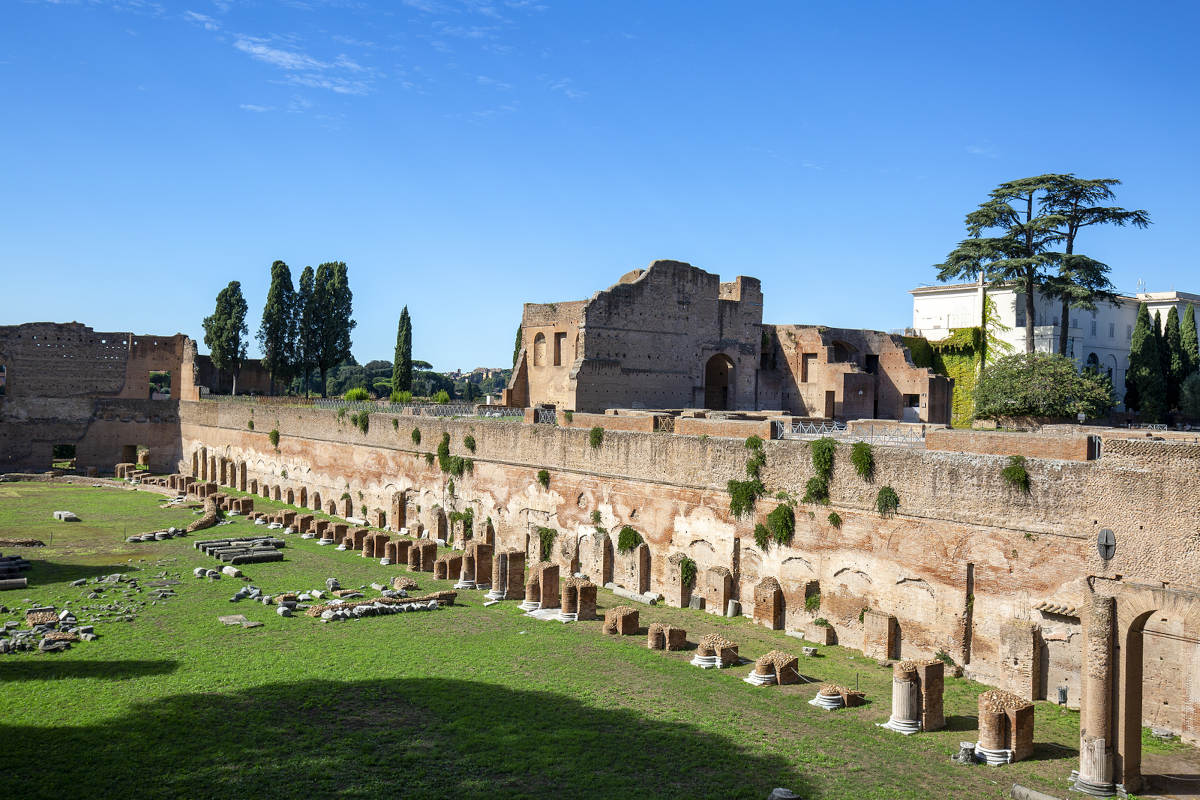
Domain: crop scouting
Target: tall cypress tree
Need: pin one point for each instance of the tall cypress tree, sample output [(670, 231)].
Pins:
[(225, 331), (517, 346), (306, 326), (1145, 368), (1189, 344), (334, 302), (1173, 354), (402, 363), (277, 332)]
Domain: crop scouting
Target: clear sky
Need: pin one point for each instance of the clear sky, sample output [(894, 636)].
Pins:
[(466, 156)]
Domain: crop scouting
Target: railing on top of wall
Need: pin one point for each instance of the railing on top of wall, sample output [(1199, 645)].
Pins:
[(872, 434), (410, 409)]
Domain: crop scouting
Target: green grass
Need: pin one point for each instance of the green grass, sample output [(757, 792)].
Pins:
[(463, 700)]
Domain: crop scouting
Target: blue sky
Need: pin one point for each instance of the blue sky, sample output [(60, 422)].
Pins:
[(465, 156)]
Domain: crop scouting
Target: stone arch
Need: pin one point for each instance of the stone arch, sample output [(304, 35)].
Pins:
[(242, 473), (195, 464), (331, 508), (303, 497), (266, 491), (290, 497), (539, 350), (643, 568), (252, 487), (347, 507), (316, 501), (275, 493), (440, 525), (718, 383), (769, 604), (1135, 606)]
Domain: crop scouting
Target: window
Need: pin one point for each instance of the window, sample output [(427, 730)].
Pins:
[(3, 379), (560, 339), (872, 365), (1129, 332), (1093, 327), (539, 350), (912, 400), (1112, 330), (808, 361)]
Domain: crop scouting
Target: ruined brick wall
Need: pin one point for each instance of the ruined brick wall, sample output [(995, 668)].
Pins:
[(68, 384), (965, 556), (1073, 447)]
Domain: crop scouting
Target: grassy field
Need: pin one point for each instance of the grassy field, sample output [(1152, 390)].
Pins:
[(463, 700)]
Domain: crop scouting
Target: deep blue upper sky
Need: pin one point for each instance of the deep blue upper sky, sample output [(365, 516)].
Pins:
[(465, 156)]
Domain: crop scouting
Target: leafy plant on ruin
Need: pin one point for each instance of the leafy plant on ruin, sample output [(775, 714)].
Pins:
[(443, 453), (823, 450), (543, 477), (341, 415), (628, 539), (250, 425), (416, 436), (362, 421), (569, 416), (345, 496), (450, 487), (862, 613), (762, 536), (743, 495), (596, 437), (782, 524), (812, 603), (1015, 474), (757, 459), (600, 529), (442, 397), (467, 518), (429, 458), (816, 490), (887, 501), (546, 537), (821, 622), (273, 438), (469, 442), (687, 572), (357, 395), (863, 459), (835, 519), (395, 423), (944, 657), (283, 473)]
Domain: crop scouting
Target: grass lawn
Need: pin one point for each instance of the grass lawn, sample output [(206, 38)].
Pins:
[(460, 701)]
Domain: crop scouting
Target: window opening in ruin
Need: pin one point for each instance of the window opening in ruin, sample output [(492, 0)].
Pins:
[(3, 379), (129, 453), (830, 404), (912, 401), (62, 456), (807, 362), (539, 350), (160, 385), (718, 377), (872, 365), (841, 352), (1093, 362), (560, 340)]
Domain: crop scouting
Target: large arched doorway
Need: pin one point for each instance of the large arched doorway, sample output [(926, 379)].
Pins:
[(718, 383)]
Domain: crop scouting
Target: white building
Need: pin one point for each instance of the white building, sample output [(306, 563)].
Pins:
[(1097, 338)]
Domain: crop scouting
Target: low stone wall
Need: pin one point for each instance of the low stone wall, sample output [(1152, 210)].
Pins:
[(1030, 445), (731, 428)]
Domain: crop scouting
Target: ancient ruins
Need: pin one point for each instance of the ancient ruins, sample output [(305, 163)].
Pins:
[(1062, 593)]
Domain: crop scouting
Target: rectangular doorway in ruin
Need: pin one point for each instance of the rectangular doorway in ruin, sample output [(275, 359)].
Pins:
[(829, 404), (160, 385), (62, 456), (129, 453)]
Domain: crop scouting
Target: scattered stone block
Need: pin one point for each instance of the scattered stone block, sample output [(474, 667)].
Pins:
[(621, 621), (715, 652), (665, 637), (66, 516)]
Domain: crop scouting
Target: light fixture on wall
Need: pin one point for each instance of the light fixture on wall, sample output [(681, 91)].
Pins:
[(860, 392)]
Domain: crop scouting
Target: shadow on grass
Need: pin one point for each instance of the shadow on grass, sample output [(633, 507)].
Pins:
[(51, 668), (416, 738), (42, 571), (962, 722)]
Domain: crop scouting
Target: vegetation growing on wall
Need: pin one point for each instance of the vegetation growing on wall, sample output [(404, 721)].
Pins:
[(1015, 475), (744, 494), (543, 477), (816, 490), (469, 442), (361, 420), (812, 603), (546, 537), (762, 537), (782, 524), (628, 539), (823, 450), (467, 518), (596, 437), (835, 519), (250, 425), (687, 572), (863, 459), (416, 436), (887, 501), (395, 423), (273, 438)]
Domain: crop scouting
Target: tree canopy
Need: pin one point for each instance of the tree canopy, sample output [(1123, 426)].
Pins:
[(402, 364), (1041, 385), (333, 305), (1145, 370), (225, 331), (277, 332), (307, 327)]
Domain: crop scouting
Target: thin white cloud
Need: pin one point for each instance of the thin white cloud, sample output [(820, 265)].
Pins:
[(284, 59), (333, 84), (255, 108), (564, 85), (484, 80), (982, 150), (203, 20)]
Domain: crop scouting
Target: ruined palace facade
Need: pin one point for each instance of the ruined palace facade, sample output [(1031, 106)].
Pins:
[(66, 384), (673, 336)]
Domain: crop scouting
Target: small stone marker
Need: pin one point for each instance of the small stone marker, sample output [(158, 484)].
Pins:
[(233, 619), (66, 516)]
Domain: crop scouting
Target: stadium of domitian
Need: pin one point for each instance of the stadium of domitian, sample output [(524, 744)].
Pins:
[(684, 553)]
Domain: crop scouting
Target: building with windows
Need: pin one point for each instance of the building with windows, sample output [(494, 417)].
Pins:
[(673, 336), (1098, 339)]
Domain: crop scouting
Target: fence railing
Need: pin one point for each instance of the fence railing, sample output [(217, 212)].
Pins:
[(872, 434), (547, 416), (373, 407)]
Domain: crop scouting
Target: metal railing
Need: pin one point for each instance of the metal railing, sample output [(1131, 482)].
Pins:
[(872, 434), (547, 416), (458, 409)]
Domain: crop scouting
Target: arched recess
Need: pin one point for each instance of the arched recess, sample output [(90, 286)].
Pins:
[(1138, 606), (266, 491), (539, 350), (242, 473), (331, 508), (347, 507), (643, 568), (1092, 363), (303, 497), (275, 493), (195, 464), (316, 501), (290, 497), (718, 383)]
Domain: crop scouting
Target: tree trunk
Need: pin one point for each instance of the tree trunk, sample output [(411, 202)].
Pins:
[(324, 384), (1065, 319), (1029, 311)]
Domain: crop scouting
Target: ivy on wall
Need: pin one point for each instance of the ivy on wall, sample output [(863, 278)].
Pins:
[(957, 356)]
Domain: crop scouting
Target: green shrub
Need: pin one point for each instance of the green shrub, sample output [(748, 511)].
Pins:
[(543, 477), (812, 602), (416, 436), (755, 463), (442, 397), (469, 442), (400, 397), (762, 537), (628, 539), (816, 490), (283, 473), (596, 437), (363, 422), (450, 487), (357, 395), (862, 612), (887, 501), (443, 453), (743, 495), (687, 572), (782, 524), (467, 518), (753, 443), (1014, 474), (835, 519), (569, 416), (821, 622), (944, 657), (250, 425), (863, 460), (823, 450), (596, 517), (429, 458), (345, 496), (546, 537), (395, 423), (1041, 385), (341, 415), (273, 438)]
